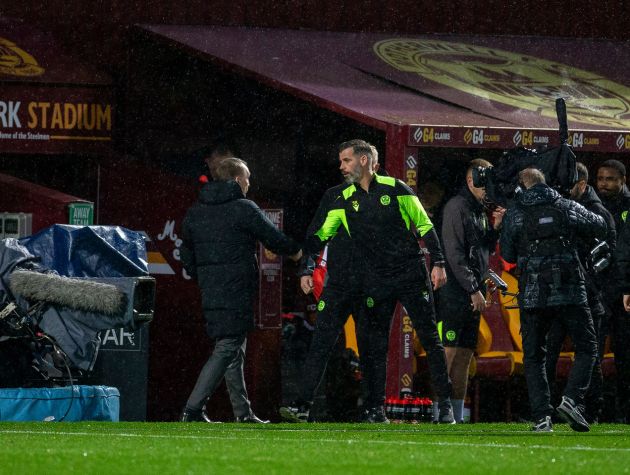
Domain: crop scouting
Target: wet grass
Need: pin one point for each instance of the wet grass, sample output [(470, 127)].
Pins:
[(164, 448)]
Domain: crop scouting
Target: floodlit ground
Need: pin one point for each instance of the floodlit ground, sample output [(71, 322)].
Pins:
[(164, 448)]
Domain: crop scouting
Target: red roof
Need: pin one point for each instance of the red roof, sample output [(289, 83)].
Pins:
[(472, 81)]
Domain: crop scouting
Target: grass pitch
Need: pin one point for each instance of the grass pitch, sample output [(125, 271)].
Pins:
[(165, 448)]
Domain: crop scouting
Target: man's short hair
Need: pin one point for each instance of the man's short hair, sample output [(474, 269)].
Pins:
[(229, 168), (359, 147), (374, 155), (582, 171), (530, 177), (615, 165)]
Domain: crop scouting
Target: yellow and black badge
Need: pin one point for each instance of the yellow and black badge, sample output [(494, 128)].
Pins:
[(15, 61), (515, 79)]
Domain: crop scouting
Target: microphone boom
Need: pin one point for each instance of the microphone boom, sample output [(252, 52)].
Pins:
[(77, 294)]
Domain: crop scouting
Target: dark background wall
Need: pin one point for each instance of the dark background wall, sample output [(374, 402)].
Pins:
[(97, 30)]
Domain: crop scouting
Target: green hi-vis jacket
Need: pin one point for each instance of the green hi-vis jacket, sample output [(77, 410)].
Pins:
[(381, 226)]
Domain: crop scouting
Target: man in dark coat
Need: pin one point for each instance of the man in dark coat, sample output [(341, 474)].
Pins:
[(220, 233), (539, 234), (612, 189), (622, 261), (586, 196)]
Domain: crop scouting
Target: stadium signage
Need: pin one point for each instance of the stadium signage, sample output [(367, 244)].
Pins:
[(505, 138)]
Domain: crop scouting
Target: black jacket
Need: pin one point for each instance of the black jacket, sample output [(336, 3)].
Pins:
[(552, 279), (468, 239), (220, 232), (618, 206), (383, 225), (345, 269), (622, 261), (595, 282), (593, 203)]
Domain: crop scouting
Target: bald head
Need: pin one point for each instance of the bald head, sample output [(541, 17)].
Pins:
[(530, 177)]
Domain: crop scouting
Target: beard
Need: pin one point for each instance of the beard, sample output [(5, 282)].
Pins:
[(353, 177)]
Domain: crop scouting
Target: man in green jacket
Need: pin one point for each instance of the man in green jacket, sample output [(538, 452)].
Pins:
[(383, 219)]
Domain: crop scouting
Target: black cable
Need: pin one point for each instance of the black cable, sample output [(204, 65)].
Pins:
[(65, 362)]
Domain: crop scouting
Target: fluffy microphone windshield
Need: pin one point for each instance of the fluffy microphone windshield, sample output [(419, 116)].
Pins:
[(77, 294)]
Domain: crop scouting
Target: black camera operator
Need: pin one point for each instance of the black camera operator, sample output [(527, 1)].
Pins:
[(595, 259), (539, 234)]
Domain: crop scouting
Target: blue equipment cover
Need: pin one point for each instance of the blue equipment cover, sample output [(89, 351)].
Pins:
[(77, 403), (108, 253), (90, 251)]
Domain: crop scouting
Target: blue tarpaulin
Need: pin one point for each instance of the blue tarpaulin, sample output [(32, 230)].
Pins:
[(76, 403), (107, 253), (90, 251)]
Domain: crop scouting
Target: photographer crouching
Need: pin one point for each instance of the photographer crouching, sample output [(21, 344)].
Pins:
[(539, 234)]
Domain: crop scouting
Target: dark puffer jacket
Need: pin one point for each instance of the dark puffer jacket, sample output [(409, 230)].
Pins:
[(219, 251), (549, 280)]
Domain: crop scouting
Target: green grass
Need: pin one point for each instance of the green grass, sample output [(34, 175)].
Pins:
[(164, 448)]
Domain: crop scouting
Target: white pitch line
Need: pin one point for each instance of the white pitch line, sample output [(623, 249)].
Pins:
[(336, 441)]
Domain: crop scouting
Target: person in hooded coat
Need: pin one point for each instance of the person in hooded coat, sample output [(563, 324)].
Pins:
[(220, 232)]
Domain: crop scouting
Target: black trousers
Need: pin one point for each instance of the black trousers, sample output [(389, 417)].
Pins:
[(334, 307), (535, 326), (619, 324), (594, 398), (417, 298)]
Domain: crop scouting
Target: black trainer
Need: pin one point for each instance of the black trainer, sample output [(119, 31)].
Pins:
[(543, 425), (376, 415), (195, 415), (295, 412), (251, 418), (569, 411), (446, 412)]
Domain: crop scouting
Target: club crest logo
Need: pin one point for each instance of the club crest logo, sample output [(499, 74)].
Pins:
[(514, 79), (369, 302), (355, 205), (385, 200), (451, 335), (14, 61)]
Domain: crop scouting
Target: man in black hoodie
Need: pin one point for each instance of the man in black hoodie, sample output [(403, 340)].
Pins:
[(586, 196), (612, 189), (539, 234), (468, 239), (220, 233)]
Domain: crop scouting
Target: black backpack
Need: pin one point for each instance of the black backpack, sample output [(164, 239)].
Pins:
[(547, 232)]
